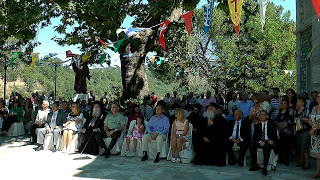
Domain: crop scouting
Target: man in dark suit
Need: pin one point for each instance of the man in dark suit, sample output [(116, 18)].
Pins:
[(240, 131), (53, 124), (264, 137)]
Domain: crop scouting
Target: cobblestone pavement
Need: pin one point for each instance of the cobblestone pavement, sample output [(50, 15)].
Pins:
[(18, 160)]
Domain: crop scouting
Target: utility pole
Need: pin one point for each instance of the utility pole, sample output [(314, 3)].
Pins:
[(5, 81), (55, 81)]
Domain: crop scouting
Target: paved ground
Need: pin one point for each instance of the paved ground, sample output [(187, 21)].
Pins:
[(18, 160)]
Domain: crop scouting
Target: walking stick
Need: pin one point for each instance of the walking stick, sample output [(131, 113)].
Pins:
[(91, 135)]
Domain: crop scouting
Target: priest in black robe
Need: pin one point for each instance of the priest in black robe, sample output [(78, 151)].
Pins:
[(92, 126)]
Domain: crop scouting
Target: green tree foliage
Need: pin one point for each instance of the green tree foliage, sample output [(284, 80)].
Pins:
[(209, 56)]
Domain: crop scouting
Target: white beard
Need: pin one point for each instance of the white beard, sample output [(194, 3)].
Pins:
[(210, 115), (96, 113)]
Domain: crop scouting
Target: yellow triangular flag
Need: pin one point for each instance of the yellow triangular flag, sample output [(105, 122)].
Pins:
[(286, 72), (34, 58), (235, 7), (152, 58), (86, 57)]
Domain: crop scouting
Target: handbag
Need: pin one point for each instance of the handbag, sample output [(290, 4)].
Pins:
[(186, 154)]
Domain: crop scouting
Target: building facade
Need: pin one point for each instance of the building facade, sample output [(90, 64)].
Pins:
[(308, 47)]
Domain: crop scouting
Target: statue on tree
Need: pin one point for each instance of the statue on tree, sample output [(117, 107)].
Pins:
[(82, 73)]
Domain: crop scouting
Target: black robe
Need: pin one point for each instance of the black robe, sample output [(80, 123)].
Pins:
[(214, 151), (92, 146)]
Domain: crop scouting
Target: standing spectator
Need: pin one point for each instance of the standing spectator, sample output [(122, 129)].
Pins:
[(255, 111), (166, 99), (43, 97), (284, 122), (200, 99), (245, 105), (146, 110), (154, 99), (292, 98), (263, 100), (308, 102), (315, 139), (92, 97), (208, 99), (302, 116), (175, 97), (191, 99), (230, 117), (232, 103), (314, 101), (274, 103)]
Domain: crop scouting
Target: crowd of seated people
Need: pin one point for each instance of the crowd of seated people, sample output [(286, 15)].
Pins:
[(286, 124)]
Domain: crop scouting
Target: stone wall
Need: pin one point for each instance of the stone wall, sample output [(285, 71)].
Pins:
[(308, 37)]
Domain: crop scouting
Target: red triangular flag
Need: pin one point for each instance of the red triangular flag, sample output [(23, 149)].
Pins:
[(316, 5), (188, 20), (163, 28), (69, 54)]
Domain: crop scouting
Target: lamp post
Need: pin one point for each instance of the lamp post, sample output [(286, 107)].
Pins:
[(5, 81)]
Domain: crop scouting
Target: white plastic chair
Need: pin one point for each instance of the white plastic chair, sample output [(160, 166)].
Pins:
[(117, 147), (186, 145), (272, 160), (60, 145), (17, 128)]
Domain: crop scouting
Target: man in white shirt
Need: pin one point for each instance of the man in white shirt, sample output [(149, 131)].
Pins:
[(146, 110), (263, 100), (40, 120), (53, 124), (232, 103)]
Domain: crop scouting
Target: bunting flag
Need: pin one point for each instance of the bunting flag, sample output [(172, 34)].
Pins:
[(102, 58), (286, 72), (152, 58), (14, 56), (235, 7), (127, 55), (207, 11), (316, 5), (69, 54), (161, 60), (270, 64), (34, 58), (188, 20), (86, 57), (310, 53), (118, 44), (291, 72), (263, 7), (163, 28)]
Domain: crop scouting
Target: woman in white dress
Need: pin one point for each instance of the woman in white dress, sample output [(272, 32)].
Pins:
[(73, 125), (180, 134)]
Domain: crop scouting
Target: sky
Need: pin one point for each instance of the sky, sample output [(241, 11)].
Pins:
[(49, 46)]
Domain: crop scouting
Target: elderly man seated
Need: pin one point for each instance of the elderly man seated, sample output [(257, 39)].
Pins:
[(41, 117), (53, 124), (113, 127), (157, 128)]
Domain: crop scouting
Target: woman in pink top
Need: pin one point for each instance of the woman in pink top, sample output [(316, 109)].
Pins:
[(180, 134)]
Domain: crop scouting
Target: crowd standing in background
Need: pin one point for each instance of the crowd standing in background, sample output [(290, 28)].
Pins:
[(285, 123)]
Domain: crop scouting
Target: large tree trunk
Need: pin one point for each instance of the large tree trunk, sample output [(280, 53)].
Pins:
[(133, 71)]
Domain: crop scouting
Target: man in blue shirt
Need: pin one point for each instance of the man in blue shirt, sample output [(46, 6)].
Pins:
[(157, 129), (245, 105)]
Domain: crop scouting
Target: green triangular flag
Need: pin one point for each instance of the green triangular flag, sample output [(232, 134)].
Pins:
[(161, 60), (102, 58), (118, 44), (14, 56)]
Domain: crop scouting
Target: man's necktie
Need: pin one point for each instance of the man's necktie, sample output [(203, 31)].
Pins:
[(237, 131), (263, 132)]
